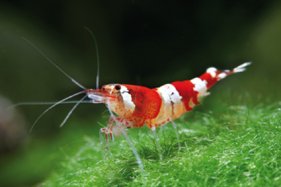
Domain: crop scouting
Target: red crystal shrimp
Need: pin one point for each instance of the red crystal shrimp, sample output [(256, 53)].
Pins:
[(135, 106)]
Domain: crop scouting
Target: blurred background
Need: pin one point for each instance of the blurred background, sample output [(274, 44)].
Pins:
[(140, 42)]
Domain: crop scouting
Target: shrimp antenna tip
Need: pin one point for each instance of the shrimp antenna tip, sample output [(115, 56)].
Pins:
[(97, 53), (52, 62)]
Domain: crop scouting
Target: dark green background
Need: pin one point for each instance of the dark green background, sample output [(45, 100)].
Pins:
[(140, 42)]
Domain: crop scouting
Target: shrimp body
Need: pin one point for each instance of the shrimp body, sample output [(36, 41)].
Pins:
[(136, 106)]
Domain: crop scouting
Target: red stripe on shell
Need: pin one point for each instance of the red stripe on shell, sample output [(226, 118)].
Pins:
[(210, 80), (147, 101), (185, 89)]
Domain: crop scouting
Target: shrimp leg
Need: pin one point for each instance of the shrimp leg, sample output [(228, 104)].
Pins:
[(157, 144), (177, 133)]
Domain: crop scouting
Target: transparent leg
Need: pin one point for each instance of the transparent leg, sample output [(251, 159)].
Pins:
[(177, 133), (158, 147), (105, 136), (133, 148), (121, 128)]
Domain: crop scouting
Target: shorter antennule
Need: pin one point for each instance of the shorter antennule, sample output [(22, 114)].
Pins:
[(242, 67)]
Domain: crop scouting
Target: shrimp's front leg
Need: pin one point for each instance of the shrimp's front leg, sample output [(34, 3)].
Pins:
[(106, 135), (107, 131), (114, 127)]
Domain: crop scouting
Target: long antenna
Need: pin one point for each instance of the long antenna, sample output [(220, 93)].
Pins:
[(53, 63), (46, 103), (48, 109), (71, 111), (97, 53)]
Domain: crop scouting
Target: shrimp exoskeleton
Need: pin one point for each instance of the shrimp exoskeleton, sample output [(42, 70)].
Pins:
[(134, 106)]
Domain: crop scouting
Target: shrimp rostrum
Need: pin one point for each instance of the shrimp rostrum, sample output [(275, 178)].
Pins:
[(133, 106)]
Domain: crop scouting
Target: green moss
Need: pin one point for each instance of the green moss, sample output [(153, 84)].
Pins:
[(240, 146)]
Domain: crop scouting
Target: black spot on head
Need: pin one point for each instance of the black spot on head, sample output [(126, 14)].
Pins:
[(117, 87)]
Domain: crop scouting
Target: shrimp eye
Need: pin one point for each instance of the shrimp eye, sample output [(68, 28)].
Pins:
[(117, 87), (103, 89)]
